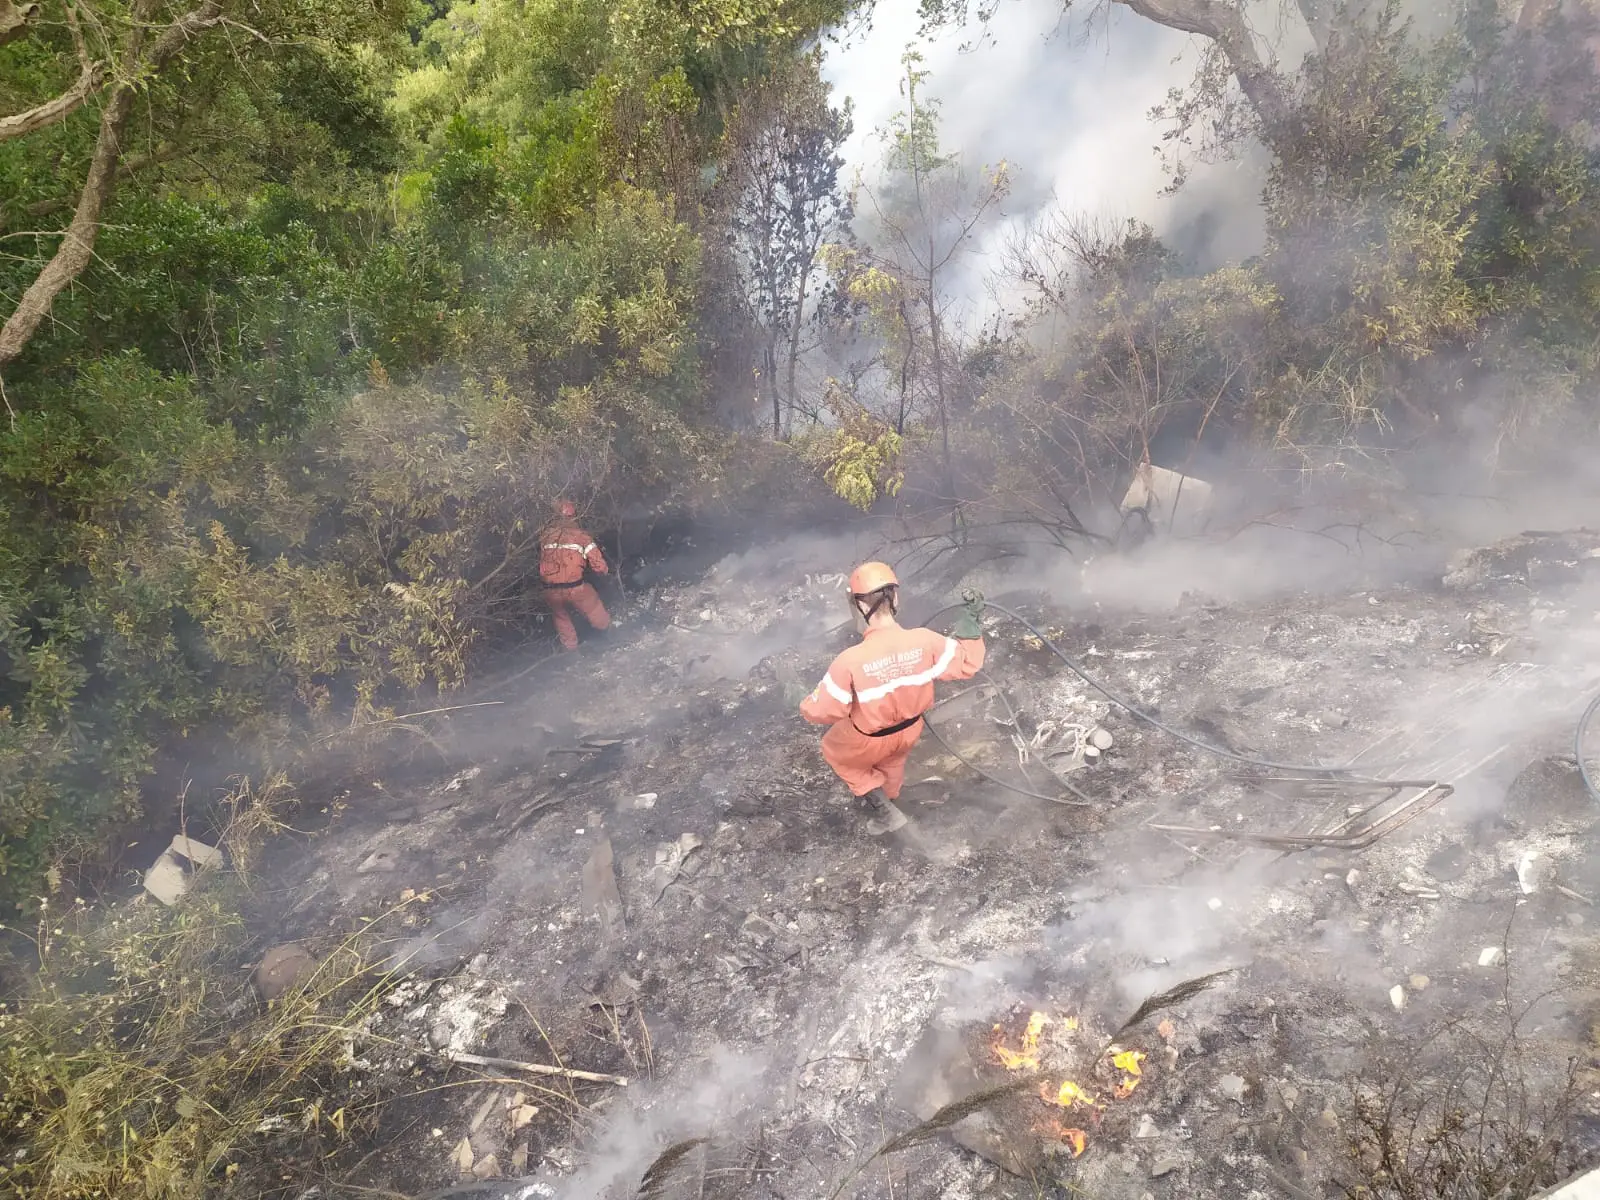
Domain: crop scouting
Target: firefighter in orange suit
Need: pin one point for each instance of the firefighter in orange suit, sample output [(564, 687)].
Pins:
[(565, 550), (875, 693)]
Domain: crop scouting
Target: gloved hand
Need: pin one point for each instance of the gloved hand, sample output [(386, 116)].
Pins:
[(968, 627)]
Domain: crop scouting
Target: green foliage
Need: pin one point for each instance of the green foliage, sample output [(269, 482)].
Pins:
[(1430, 271), (359, 309)]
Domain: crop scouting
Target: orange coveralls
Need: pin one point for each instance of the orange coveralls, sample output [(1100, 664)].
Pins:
[(874, 696), (565, 551)]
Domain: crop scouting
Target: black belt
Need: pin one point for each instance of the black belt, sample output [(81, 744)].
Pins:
[(561, 587), (906, 724)]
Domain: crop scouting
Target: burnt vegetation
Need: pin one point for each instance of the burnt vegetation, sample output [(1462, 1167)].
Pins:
[(308, 312)]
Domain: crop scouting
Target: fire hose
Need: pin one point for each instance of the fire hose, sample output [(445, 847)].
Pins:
[(1577, 747)]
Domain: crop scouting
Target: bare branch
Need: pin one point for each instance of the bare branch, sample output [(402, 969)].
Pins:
[(77, 243), (58, 109)]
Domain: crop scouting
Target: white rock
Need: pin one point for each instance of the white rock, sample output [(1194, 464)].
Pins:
[(1491, 956), (1101, 739), (1147, 1127), (1213, 904), (1397, 997)]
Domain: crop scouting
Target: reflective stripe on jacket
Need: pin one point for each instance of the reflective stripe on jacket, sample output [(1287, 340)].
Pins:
[(888, 677), (565, 551)]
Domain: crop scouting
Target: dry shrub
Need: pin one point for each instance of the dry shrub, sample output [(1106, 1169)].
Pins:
[(1465, 1115)]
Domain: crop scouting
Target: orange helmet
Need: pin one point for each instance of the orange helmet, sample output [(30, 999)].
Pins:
[(564, 509), (871, 577)]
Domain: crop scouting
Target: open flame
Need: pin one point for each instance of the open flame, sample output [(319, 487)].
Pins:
[(1069, 1094), (1127, 1061), (1076, 1139), (1027, 1057)]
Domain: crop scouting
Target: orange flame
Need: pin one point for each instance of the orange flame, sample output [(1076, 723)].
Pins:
[(1128, 1062), (1076, 1139), (1069, 1094), (1027, 1058)]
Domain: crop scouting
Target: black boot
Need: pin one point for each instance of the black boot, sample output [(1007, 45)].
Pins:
[(886, 818)]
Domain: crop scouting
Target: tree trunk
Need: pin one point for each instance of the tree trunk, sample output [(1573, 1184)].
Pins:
[(793, 353), (769, 374), (1225, 25), (936, 343), (77, 242)]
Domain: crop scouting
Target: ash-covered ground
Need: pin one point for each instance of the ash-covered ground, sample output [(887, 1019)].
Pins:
[(640, 866)]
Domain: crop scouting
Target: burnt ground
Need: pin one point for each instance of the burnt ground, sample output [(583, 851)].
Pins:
[(697, 908)]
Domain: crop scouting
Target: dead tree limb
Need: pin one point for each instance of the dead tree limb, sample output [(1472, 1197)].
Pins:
[(77, 241)]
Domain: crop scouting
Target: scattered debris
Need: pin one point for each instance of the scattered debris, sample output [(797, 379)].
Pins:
[(1419, 890), (1147, 1127), (378, 860), (645, 800), (168, 877), (1232, 1088), (1171, 501), (462, 1157), (670, 857), (1419, 982), (461, 780), (599, 888), (519, 1112)]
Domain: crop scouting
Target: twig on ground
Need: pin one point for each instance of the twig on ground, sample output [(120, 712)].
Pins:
[(511, 1064), (427, 712)]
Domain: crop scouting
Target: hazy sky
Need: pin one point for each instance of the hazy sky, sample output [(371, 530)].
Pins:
[(1066, 104)]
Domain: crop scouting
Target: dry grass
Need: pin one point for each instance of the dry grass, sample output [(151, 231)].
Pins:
[(139, 1063)]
